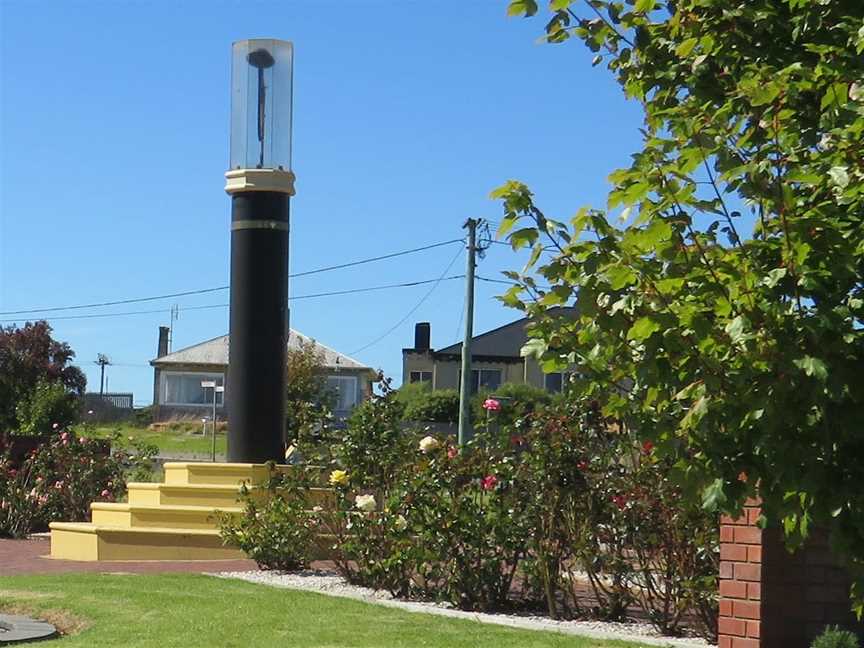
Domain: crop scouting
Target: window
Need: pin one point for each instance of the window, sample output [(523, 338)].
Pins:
[(344, 390), (558, 382), (485, 379), (185, 389), (420, 376)]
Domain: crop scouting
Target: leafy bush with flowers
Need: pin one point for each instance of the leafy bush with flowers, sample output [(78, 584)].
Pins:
[(562, 508), (276, 528), (58, 480)]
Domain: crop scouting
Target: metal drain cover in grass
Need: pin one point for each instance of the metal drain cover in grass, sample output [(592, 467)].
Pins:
[(18, 629)]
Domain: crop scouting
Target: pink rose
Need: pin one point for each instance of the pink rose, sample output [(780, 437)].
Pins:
[(105, 493), (491, 405), (452, 452), (489, 482)]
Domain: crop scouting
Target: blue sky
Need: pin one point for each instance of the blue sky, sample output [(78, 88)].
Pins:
[(114, 142)]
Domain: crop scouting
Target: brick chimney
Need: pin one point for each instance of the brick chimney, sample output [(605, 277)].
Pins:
[(422, 337), (162, 349)]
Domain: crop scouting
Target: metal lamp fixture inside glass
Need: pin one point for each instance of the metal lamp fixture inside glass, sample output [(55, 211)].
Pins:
[(261, 59)]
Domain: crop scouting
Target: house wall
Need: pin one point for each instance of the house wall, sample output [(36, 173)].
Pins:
[(416, 361), (166, 412), (446, 375), (445, 372)]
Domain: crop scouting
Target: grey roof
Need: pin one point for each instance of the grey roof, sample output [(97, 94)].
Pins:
[(505, 341), (215, 352)]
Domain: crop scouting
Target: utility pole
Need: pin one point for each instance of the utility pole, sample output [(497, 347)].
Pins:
[(465, 430), (103, 361)]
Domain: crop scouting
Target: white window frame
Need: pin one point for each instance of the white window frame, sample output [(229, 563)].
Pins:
[(420, 378), (356, 389), (202, 375)]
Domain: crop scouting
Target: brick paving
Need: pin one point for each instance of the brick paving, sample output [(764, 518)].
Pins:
[(31, 557)]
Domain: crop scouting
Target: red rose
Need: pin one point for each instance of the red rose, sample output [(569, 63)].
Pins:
[(647, 447)]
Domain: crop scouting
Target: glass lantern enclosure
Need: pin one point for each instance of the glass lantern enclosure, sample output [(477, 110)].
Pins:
[(261, 80)]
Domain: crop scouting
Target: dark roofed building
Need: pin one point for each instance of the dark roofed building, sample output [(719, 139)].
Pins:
[(496, 359)]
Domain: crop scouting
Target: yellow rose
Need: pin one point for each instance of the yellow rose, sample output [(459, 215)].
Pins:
[(428, 444), (339, 478)]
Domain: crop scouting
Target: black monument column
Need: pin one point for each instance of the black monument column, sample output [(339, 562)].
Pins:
[(260, 183)]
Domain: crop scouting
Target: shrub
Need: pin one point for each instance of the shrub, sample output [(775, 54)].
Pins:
[(447, 526), (50, 406), (143, 416), (275, 528), (421, 403), (518, 401), (60, 479), (560, 492), (835, 638), (28, 356)]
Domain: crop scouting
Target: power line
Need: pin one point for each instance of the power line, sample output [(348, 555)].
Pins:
[(349, 291), (202, 291), (416, 306)]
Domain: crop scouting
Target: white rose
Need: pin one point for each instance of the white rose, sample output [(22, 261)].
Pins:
[(365, 502), (429, 443), (400, 523)]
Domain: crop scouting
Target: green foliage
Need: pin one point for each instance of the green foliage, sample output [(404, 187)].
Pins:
[(143, 416), (563, 490), (835, 638), (518, 401), (423, 404), (736, 350), (375, 441), (275, 529), (30, 356), (308, 403), (50, 406), (59, 480)]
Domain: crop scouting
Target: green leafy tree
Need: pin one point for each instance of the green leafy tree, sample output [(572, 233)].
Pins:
[(308, 400), (30, 356), (733, 343)]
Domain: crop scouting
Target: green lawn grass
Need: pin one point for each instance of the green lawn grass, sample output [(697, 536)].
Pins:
[(191, 610), (182, 441)]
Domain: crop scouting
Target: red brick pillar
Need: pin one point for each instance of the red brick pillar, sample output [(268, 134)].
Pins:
[(740, 619), (770, 598)]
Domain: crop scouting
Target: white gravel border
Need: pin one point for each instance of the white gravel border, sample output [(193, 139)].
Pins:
[(331, 585)]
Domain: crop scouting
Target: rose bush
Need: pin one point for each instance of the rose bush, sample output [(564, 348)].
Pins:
[(565, 508), (59, 480)]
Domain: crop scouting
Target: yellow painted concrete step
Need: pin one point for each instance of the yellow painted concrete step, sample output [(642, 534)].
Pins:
[(163, 516), (215, 495), (182, 472), (192, 472), (88, 541)]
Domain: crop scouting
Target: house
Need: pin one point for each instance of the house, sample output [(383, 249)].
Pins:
[(177, 377), (496, 359)]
